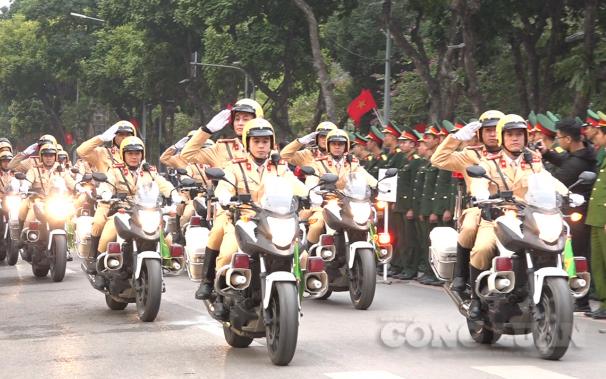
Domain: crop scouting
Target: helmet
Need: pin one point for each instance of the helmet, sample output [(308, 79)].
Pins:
[(510, 122), (324, 127), (125, 127), (131, 143), (47, 138), (338, 135), (489, 118), (47, 148), (258, 127), (208, 143), (6, 156), (5, 143), (62, 153), (248, 106)]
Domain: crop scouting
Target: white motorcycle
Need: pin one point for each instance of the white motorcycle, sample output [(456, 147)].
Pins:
[(11, 229)]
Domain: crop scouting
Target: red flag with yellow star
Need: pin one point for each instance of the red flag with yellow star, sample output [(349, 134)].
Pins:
[(361, 105)]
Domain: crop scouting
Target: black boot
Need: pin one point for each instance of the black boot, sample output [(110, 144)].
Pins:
[(90, 264), (475, 309), (461, 273), (208, 275)]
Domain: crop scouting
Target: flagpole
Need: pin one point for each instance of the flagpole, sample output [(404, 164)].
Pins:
[(379, 117)]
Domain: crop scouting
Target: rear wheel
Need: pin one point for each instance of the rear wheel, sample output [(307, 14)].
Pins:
[(553, 330), (59, 258), (283, 330), (326, 295), (481, 333), (113, 304), (235, 340), (149, 290), (39, 270), (363, 279), (12, 253)]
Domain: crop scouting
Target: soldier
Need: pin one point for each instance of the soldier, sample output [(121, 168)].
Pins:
[(219, 155), (358, 148), (595, 122), (293, 154), (377, 158), (101, 157), (596, 219)]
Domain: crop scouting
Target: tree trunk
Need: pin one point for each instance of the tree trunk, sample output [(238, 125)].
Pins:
[(518, 65), (554, 48), (319, 64), (581, 99)]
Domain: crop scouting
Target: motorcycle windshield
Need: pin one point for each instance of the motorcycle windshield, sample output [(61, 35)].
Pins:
[(58, 185), (148, 195), (541, 193), (356, 187), (278, 196)]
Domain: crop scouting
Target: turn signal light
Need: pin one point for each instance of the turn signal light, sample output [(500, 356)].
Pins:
[(381, 205), (576, 217), (34, 225), (241, 261), (503, 264), (384, 239), (315, 264), (176, 251), (113, 248), (327, 240), (195, 221), (581, 264)]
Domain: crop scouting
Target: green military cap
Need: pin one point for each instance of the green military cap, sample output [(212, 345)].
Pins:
[(375, 134), (448, 126), (392, 129), (553, 117), (602, 115), (360, 139), (408, 134), (546, 125), (532, 119), (592, 117), (433, 129)]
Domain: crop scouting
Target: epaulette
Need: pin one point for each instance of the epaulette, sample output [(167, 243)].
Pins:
[(322, 158), (416, 156), (239, 160), (118, 165), (384, 157), (493, 156), (354, 159), (476, 147), (559, 150), (369, 158)]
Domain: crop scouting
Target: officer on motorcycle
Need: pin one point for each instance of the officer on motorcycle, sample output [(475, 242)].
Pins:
[(27, 159), (101, 157), (293, 154)]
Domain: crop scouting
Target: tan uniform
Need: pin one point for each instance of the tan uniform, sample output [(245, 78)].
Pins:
[(219, 155), (515, 173), (99, 157), (5, 179), (23, 163), (41, 179), (170, 158), (248, 178), (293, 154), (196, 172), (342, 169), (449, 156), (125, 181)]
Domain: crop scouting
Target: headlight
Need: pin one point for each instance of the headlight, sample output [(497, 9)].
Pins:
[(550, 226), (149, 220), (12, 203), (360, 211), (282, 231), (59, 208)]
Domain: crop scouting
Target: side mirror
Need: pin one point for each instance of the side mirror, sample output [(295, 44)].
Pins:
[(20, 176), (391, 172), (476, 171), (308, 170), (87, 177), (99, 177), (74, 170), (214, 173), (329, 179), (187, 182), (585, 178), (181, 171)]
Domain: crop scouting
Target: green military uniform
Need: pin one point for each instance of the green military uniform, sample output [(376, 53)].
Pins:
[(596, 218), (376, 162), (420, 259)]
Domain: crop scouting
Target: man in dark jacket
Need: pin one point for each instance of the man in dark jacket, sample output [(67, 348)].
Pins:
[(579, 157)]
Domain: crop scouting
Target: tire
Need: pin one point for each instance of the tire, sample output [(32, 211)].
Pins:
[(40, 271), (113, 304), (148, 290), (552, 333), (235, 340), (481, 333), (59, 261), (283, 331), (326, 295), (363, 279), (12, 253), (3, 250)]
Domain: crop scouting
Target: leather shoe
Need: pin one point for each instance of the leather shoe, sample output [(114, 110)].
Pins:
[(475, 310), (600, 314), (582, 308), (204, 291)]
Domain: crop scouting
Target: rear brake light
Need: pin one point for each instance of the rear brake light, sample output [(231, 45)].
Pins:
[(113, 248), (195, 221), (327, 240), (384, 239), (503, 264), (176, 251), (34, 225), (581, 264), (315, 264), (576, 216), (241, 261)]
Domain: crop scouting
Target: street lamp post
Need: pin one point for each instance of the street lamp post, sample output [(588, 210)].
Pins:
[(85, 17), (246, 76)]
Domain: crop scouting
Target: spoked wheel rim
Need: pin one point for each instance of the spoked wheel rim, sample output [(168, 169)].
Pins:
[(545, 327), (142, 288), (273, 331), (357, 273)]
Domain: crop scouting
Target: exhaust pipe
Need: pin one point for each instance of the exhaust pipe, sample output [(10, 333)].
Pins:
[(238, 278), (316, 283)]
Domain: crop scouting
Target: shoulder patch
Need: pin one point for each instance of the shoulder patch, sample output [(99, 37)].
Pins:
[(559, 150), (493, 156), (321, 158), (476, 147), (239, 160), (118, 165)]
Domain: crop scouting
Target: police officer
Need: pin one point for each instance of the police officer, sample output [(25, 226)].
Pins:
[(6, 174), (171, 157), (29, 158), (101, 157), (293, 154)]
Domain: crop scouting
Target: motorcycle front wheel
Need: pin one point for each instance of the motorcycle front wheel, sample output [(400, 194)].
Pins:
[(553, 330), (12, 253), (58, 258), (283, 330), (363, 279), (149, 290)]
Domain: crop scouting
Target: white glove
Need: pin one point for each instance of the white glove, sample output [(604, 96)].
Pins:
[(24, 187), (181, 143), (80, 189), (482, 194), (219, 121), (224, 198), (315, 199), (176, 197), (306, 140), (576, 200), (109, 134), (31, 149), (468, 131)]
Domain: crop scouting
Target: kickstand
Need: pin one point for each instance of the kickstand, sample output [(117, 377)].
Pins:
[(384, 279)]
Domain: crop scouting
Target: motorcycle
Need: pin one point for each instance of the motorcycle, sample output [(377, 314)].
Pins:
[(132, 266), (526, 290), (351, 246), (45, 238), (259, 290), (11, 229)]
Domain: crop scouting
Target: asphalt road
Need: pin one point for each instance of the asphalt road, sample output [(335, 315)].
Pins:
[(411, 331)]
